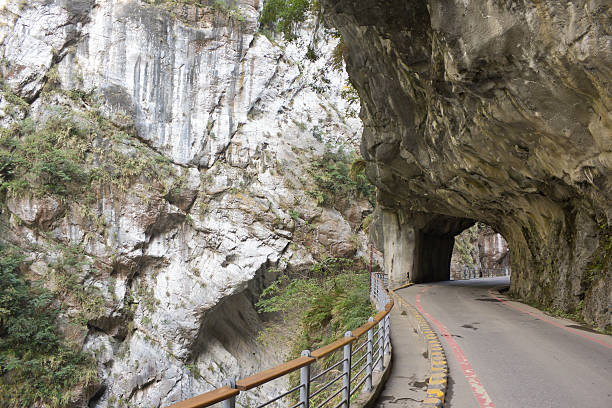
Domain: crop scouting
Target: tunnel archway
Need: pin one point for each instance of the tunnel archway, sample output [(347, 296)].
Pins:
[(418, 247), (436, 240)]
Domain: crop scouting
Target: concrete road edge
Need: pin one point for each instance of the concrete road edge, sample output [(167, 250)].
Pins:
[(438, 380)]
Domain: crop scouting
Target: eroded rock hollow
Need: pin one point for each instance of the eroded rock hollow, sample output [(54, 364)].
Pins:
[(494, 111)]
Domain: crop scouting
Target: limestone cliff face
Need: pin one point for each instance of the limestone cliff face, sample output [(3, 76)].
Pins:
[(495, 111), (233, 122)]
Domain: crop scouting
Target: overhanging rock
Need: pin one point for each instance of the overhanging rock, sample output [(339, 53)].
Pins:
[(497, 112)]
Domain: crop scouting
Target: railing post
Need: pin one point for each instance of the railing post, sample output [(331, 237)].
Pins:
[(384, 337), (375, 289), (230, 402), (368, 383), (387, 333), (346, 382), (305, 382), (371, 257), (381, 348)]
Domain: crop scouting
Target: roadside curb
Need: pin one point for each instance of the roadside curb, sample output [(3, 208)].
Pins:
[(437, 383), (401, 287)]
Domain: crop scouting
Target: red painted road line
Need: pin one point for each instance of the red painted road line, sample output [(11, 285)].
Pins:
[(484, 401), (569, 329)]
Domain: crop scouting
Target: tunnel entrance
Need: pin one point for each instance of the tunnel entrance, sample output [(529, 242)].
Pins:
[(479, 252), (421, 247)]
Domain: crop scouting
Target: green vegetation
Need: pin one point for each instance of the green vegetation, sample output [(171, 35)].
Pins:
[(466, 246), (41, 161), (331, 299), (602, 258), (220, 6), (576, 314), (69, 153), (37, 367), (284, 16), (67, 274), (295, 215), (596, 269), (349, 94), (15, 105), (340, 176), (340, 50)]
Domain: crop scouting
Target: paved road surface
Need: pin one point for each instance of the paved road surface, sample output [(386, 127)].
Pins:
[(513, 355)]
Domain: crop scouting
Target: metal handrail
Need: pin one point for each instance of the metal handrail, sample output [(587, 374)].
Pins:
[(359, 361), (378, 340), (377, 360), (359, 384), (358, 349), (360, 371), (331, 397), (326, 385), (327, 370), (294, 389)]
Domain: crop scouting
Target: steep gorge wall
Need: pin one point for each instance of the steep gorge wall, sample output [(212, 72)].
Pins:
[(202, 132), (491, 111)]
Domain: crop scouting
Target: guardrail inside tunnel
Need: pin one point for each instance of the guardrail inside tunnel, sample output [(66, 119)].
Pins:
[(328, 378)]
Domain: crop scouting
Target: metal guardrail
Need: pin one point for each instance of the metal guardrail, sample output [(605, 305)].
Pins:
[(363, 352), (468, 272)]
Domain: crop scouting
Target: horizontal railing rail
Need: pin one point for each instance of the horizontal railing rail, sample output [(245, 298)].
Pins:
[(467, 272), (355, 375)]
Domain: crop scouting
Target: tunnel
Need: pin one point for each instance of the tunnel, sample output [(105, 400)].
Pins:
[(418, 247)]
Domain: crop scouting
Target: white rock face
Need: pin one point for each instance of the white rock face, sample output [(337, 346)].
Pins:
[(36, 34), (240, 118), (34, 210)]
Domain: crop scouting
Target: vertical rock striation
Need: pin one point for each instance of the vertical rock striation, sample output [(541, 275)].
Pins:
[(499, 112)]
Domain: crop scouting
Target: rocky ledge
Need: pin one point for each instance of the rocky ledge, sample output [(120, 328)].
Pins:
[(498, 112)]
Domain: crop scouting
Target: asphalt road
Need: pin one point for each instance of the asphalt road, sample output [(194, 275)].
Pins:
[(511, 355)]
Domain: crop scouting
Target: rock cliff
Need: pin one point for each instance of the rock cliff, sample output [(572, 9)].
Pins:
[(196, 134), (479, 252), (491, 111)]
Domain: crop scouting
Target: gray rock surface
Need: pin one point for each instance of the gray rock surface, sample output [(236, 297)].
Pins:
[(496, 112)]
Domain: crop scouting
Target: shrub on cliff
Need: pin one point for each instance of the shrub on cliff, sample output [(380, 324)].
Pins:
[(284, 16), (340, 176), (37, 366), (47, 160), (68, 153), (332, 299)]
